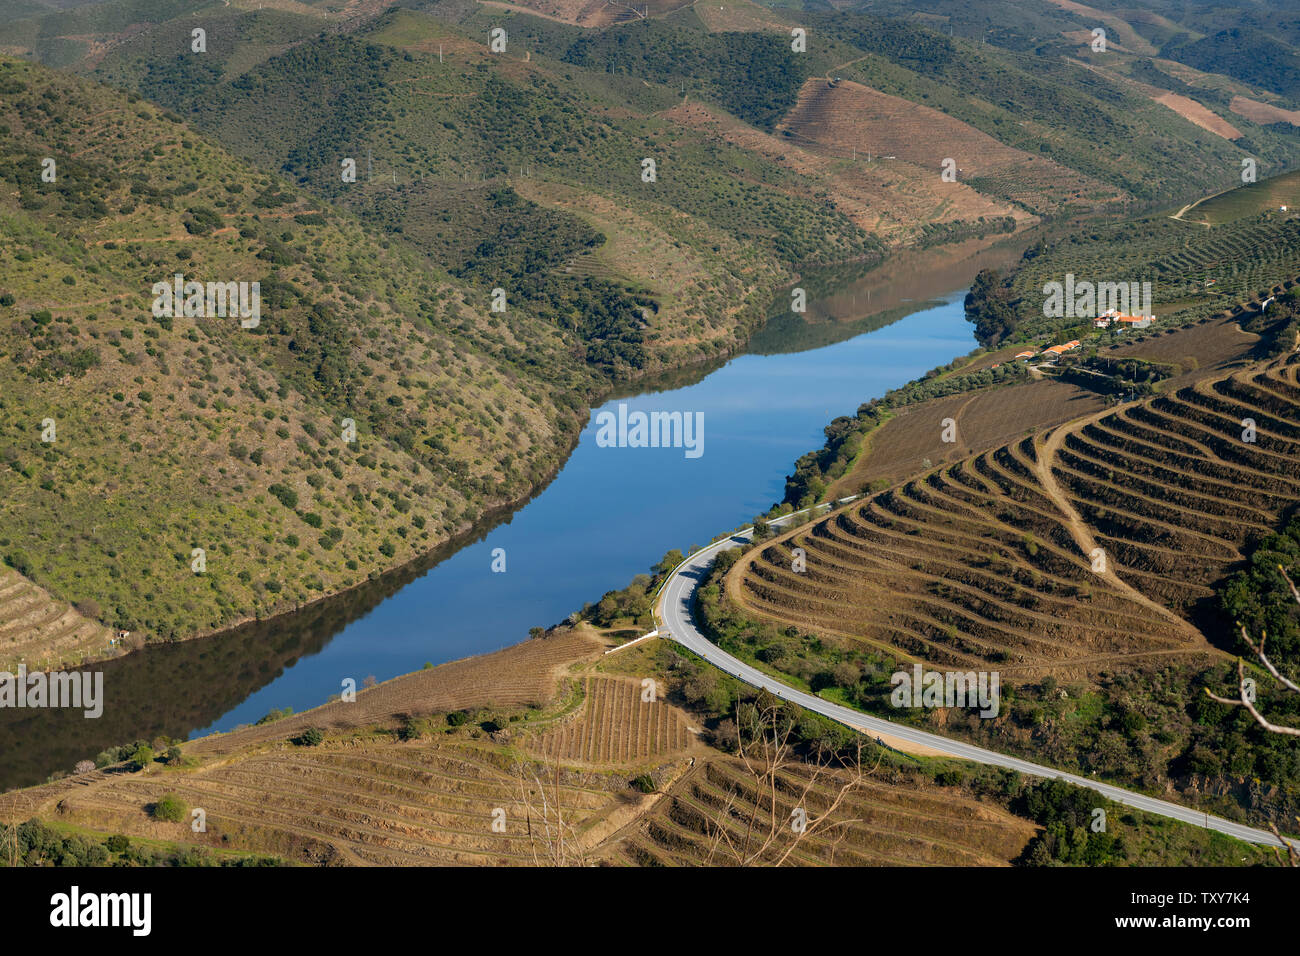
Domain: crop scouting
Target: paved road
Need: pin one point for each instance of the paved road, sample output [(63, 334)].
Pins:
[(675, 610)]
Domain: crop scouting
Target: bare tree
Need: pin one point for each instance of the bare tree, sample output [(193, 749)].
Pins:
[(770, 836), (552, 840), (1246, 698)]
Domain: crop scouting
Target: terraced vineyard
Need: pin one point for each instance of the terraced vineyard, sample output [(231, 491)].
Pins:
[(884, 824), (1184, 263), (983, 419), (1173, 490), (618, 727), (35, 627), (992, 562), (392, 804), (365, 795)]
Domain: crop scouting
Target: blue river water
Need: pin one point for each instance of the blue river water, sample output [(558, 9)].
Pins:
[(612, 512)]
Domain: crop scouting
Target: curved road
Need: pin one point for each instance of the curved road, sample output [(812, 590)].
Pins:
[(675, 610)]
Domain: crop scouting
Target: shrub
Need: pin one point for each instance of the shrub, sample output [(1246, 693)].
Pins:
[(170, 808), (117, 843), (310, 737), (274, 715), (286, 495)]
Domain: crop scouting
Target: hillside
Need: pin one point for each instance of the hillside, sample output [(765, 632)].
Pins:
[(173, 434), (549, 753), (990, 562)]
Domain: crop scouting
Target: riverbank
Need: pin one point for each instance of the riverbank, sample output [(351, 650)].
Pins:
[(606, 515)]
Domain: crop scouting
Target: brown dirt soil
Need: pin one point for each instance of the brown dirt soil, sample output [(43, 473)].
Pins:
[(1199, 350), (36, 628), (364, 798), (989, 561), (987, 418), (523, 674), (1263, 113), (1202, 116), (892, 821), (1186, 107), (984, 419), (893, 200), (836, 120), (618, 727)]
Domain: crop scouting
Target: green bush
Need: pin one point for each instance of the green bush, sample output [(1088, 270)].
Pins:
[(170, 808), (310, 737), (287, 496), (141, 757)]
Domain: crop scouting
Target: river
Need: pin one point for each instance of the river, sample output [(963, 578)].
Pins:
[(609, 514)]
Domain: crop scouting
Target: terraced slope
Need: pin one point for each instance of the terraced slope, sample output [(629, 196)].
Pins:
[(884, 824), (850, 119), (378, 803), (991, 562), (618, 727), (892, 200), (1172, 489), (364, 797), (34, 626)]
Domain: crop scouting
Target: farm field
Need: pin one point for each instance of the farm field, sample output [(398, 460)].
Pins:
[(603, 778), (1197, 350), (850, 117), (894, 201), (521, 675), (1268, 195), (989, 417), (617, 727), (1186, 107), (38, 630), (1197, 113), (985, 562), (887, 824), (983, 419), (1195, 271), (1263, 113), (364, 796)]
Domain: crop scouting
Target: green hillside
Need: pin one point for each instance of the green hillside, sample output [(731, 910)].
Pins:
[(178, 433)]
